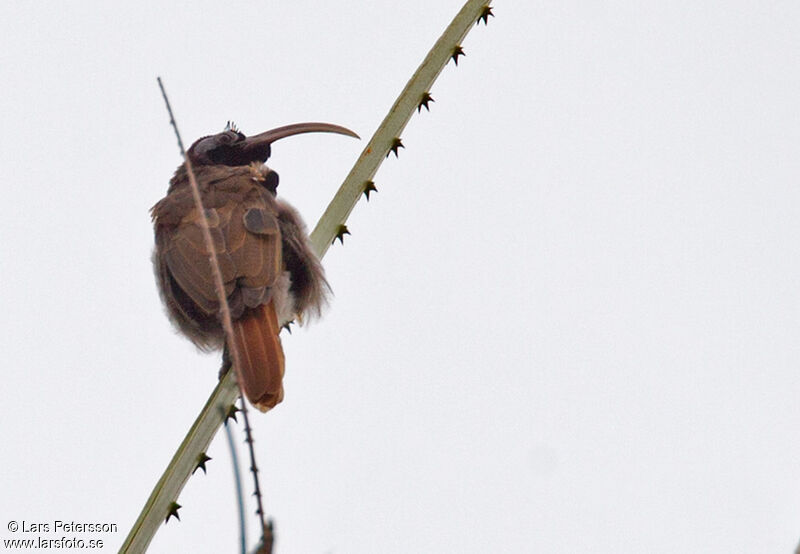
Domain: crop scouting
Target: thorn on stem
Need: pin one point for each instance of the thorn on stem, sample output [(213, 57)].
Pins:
[(173, 512), (426, 97), (457, 51), (369, 187), (396, 144), (485, 14), (202, 458), (340, 233), (232, 413)]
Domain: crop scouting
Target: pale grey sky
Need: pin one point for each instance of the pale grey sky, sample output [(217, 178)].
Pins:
[(568, 321)]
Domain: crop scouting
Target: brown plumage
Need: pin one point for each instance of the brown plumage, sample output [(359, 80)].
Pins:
[(271, 274)]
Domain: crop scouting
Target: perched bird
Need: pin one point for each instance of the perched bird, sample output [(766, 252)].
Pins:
[(270, 272)]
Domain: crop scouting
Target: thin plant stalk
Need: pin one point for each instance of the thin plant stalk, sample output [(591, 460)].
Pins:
[(237, 480)]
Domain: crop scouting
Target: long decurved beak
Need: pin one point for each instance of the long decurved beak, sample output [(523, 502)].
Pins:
[(257, 147), (272, 135)]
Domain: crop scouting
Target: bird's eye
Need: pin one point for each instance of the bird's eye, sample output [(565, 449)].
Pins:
[(221, 153), (222, 148)]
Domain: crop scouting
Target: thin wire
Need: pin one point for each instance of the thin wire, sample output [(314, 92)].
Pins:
[(212, 257), (219, 286), (237, 479)]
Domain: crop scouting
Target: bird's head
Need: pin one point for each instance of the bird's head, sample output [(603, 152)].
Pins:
[(231, 147)]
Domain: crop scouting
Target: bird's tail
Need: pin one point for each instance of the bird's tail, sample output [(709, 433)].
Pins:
[(261, 356)]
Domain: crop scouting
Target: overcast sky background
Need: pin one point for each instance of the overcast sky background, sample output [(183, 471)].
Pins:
[(567, 322)]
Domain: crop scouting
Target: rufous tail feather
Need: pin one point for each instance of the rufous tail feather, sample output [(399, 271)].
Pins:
[(261, 356)]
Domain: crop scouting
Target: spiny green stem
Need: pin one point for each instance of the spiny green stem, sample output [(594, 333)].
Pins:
[(216, 409), (393, 124)]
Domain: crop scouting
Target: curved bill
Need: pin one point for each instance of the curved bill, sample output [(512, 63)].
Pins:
[(272, 135)]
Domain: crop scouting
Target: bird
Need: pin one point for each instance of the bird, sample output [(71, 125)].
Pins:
[(270, 272)]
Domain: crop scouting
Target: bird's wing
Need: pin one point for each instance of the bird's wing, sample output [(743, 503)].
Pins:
[(246, 238)]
